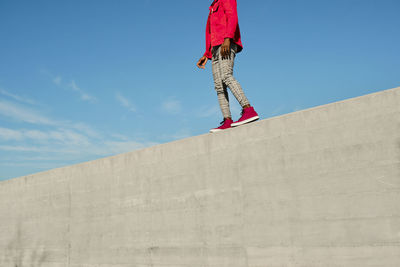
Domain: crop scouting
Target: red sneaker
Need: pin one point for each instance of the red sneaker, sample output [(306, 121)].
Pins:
[(225, 124), (248, 115)]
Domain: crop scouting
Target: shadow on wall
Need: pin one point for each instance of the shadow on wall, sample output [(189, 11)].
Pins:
[(17, 256)]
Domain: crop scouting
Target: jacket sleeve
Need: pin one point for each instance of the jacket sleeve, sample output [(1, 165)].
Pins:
[(208, 53), (230, 9)]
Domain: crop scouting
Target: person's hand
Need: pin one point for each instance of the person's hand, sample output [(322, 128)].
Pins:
[(226, 48), (202, 62)]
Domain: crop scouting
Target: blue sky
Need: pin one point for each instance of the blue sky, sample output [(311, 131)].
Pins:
[(81, 80)]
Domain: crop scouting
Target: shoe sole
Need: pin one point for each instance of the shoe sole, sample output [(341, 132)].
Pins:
[(218, 130), (245, 121)]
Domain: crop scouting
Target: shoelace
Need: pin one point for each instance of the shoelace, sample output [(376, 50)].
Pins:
[(241, 114)]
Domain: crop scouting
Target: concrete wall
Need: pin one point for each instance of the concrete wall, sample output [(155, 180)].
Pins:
[(318, 187)]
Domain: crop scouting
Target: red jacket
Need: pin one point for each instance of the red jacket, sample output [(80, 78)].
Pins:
[(222, 23)]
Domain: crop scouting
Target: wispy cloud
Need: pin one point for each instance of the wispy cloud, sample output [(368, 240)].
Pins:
[(65, 131), (83, 95), (20, 148), (57, 80), (86, 129), (10, 134), (207, 111), (55, 142), (61, 136), (16, 97), (67, 136), (120, 137), (172, 105), (80, 146), (24, 114), (125, 102)]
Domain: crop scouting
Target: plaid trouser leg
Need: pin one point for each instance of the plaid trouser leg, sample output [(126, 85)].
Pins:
[(223, 77)]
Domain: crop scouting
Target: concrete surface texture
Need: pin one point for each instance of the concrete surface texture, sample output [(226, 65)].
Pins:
[(317, 187)]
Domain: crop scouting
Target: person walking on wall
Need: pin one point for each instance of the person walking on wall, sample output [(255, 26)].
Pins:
[(223, 42)]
